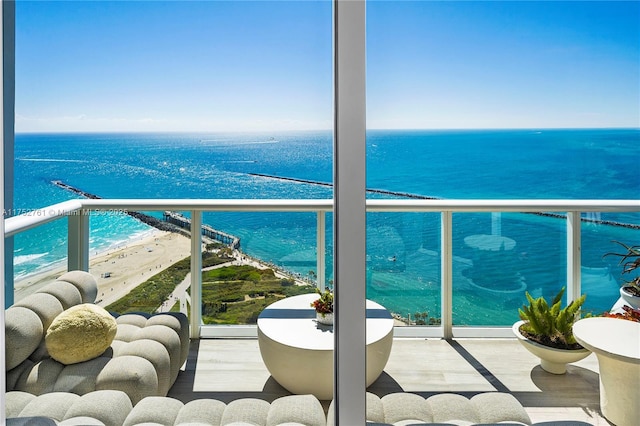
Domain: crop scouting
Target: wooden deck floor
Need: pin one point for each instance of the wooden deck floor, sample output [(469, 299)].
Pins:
[(229, 369)]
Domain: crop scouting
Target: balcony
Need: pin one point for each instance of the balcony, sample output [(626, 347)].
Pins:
[(228, 369), (425, 359)]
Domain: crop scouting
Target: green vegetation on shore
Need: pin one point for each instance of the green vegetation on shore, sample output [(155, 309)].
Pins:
[(230, 294), (237, 294), (148, 296)]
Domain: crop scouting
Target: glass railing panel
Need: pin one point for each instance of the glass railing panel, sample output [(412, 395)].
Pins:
[(39, 256), (144, 270), (285, 240), (497, 257), (403, 265), (601, 276), (275, 258)]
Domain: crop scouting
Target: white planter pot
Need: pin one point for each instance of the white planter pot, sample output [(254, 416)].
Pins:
[(326, 319), (552, 360), (630, 299)]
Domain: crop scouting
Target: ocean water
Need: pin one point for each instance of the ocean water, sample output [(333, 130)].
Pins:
[(403, 249)]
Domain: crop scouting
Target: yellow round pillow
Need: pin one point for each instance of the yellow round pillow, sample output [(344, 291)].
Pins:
[(80, 333)]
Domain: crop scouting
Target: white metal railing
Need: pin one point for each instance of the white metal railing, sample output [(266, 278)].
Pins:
[(78, 212)]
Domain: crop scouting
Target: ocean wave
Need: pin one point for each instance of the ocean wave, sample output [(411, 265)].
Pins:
[(52, 160), (103, 245), (236, 143), (23, 275), (19, 260)]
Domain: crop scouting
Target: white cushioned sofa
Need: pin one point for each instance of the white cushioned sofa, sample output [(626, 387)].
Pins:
[(408, 409), (144, 358), (112, 408)]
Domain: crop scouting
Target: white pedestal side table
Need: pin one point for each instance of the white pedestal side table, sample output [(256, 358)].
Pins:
[(298, 352), (616, 343)]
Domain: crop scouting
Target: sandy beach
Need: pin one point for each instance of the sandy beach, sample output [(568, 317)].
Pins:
[(121, 269)]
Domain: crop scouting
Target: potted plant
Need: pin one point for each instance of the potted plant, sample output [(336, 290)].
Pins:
[(324, 307), (628, 313), (545, 330), (630, 261)]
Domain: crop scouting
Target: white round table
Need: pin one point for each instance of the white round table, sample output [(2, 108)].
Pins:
[(616, 343), (298, 352)]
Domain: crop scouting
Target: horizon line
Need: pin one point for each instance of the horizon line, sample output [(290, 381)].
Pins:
[(460, 129)]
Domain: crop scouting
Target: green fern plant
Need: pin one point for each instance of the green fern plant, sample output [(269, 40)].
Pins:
[(551, 325)]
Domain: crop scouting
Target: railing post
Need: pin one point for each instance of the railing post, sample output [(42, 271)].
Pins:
[(78, 240), (574, 260), (196, 273), (446, 268), (320, 249)]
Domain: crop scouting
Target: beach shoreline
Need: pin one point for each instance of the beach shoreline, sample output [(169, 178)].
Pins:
[(121, 267), (33, 277)]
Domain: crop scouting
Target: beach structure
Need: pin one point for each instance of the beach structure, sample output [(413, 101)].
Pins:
[(184, 222)]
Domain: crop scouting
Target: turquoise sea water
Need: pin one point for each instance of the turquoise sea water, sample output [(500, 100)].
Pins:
[(403, 259)]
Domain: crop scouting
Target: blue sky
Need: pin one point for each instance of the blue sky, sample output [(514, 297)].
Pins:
[(267, 65)]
